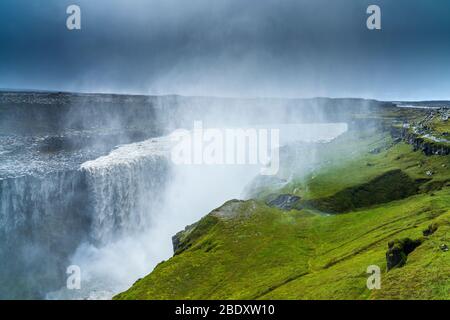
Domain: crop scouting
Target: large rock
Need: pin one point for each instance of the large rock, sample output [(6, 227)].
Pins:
[(283, 201), (430, 230), (177, 239), (398, 251)]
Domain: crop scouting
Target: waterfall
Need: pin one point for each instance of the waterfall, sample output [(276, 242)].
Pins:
[(42, 219), (125, 187), (45, 218)]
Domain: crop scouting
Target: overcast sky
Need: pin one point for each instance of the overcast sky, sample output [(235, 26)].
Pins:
[(279, 48)]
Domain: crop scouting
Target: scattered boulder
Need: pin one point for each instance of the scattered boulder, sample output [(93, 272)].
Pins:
[(444, 247), (283, 201), (399, 250), (430, 230), (231, 209)]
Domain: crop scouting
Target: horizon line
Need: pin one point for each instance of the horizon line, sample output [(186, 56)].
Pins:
[(53, 91)]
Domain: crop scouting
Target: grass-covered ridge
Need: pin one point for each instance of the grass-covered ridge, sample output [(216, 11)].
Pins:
[(249, 250), (389, 186)]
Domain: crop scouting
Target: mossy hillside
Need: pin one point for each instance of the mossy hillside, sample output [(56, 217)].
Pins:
[(349, 243), (298, 255), (262, 252), (247, 257), (426, 273)]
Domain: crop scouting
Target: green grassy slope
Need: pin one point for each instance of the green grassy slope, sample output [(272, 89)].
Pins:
[(248, 250)]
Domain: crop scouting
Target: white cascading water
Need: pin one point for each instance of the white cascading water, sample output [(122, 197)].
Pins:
[(125, 188)]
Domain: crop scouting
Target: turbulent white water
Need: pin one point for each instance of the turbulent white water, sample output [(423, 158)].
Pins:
[(126, 186), (125, 190)]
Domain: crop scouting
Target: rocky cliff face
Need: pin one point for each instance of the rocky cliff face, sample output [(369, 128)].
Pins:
[(420, 142), (429, 133)]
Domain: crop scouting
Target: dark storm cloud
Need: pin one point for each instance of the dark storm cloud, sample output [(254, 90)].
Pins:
[(229, 47)]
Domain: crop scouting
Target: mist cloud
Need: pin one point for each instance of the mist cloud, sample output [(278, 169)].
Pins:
[(292, 48)]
